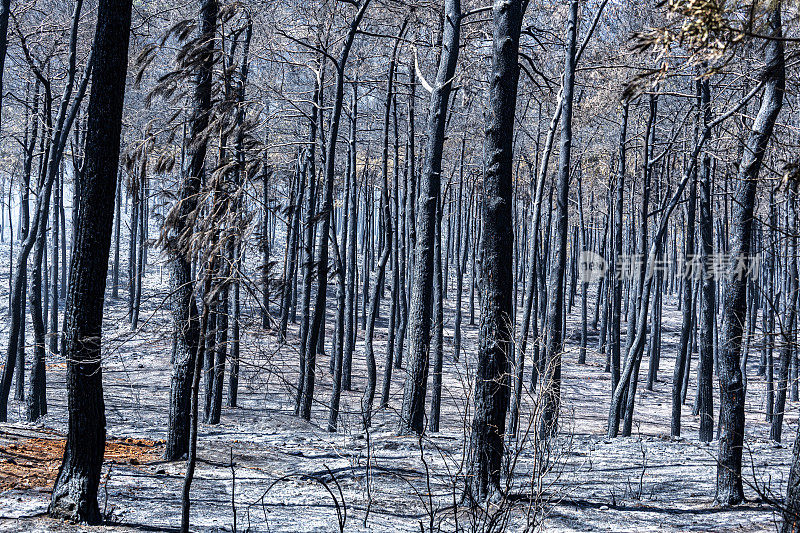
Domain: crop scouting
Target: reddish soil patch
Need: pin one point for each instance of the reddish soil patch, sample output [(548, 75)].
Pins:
[(27, 463)]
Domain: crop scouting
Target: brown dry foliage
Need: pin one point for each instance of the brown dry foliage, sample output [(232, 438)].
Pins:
[(28, 463)]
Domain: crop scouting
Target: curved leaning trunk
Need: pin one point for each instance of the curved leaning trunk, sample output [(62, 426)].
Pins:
[(372, 377), (554, 345), (729, 460), (315, 333), (412, 415), (394, 308), (184, 307)]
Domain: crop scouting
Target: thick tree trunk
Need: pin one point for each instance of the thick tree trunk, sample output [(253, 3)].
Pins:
[(729, 460), (75, 491), (495, 350), (437, 346)]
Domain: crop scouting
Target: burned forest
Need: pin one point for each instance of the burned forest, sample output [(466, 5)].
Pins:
[(399, 266)]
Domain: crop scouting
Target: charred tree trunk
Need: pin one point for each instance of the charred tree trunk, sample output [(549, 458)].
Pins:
[(492, 388), (551, 393), (789, 322), (394, 309), (412, 416), (729, 465), (437, 346), (687, 308), (316, 330), (705, 342), (616, 313), (350, 253), (184, 307), (75, 491), (372, 377)]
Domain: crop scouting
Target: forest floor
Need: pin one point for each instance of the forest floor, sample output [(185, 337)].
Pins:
[(291, 475)]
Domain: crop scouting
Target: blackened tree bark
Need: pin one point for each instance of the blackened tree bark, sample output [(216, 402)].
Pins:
[(687, 304), (184, 306), (616, 312), (412, 415), (75, 490), (584, 246), (54, 265), (768, 318), (437, 346), (394, 309), (372, 377), (292, 245), (729, 460), (791, 508), (788, 323), (191, 455), (350, 251), (36, 406), (461, 254), (316, 332), (310, 170), (51, 160), (337, 352), (24, 227), (492, 388), (705, 341), (551, 393), (218, 356)]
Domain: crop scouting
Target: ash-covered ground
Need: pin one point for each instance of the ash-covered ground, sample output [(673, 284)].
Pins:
[(263, 469)]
